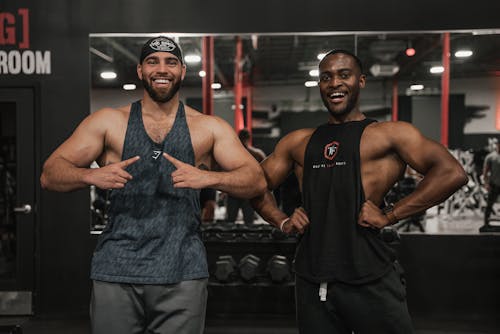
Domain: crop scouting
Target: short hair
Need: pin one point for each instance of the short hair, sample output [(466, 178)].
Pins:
[(335, 51)]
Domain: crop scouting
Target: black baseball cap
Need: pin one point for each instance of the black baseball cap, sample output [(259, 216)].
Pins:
[(161, 44)]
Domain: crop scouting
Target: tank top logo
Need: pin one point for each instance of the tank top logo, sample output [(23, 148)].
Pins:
[(156, 154), (331, 150)]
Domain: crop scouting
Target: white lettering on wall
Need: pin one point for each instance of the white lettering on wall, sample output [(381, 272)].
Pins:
[(25, 62)]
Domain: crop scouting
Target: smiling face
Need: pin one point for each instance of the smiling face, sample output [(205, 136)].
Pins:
[(161, 74), (340, 81)]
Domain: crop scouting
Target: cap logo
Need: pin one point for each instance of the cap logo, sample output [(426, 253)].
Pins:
[(162, 44)]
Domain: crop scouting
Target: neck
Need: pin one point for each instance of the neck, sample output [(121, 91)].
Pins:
[(353, 115), (167, 108)]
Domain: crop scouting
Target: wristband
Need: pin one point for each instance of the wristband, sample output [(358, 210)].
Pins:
[(283, 222), (389, 213)]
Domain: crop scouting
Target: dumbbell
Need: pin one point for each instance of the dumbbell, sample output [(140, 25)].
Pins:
[(222, 231), (225, 268), (278, 235), (249, 267), (278, 268)]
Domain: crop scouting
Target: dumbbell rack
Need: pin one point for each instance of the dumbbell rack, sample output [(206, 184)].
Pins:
[(256, 245)]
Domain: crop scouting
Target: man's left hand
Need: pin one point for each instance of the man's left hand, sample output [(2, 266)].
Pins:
[(371, 216), (186, 175)]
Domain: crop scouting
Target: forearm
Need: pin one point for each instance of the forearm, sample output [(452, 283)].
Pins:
[(245, 182), (267, 208), (486, 175), (435, 187), (61, 175)]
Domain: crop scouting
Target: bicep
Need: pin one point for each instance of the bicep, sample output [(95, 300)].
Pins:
[(420, 152), (486, 165), (228, 151), (84, 145)]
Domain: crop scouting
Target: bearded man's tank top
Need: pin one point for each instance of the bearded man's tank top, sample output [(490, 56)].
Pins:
[(153, 234), (334, 247)]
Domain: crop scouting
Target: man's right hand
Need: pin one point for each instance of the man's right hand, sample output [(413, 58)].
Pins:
[(297, 223), (112, 176)]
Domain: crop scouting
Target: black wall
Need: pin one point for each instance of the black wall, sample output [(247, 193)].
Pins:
[(456, 120), (64, 244)]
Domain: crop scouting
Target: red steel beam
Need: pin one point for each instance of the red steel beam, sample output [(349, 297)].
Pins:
[(395, 110), (239, 122), (207, 50), (445, 90), (248, 94)]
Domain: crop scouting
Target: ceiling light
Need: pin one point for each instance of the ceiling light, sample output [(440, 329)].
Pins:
[(463, 53), (410, 52), (384, 70), (416, 87), (192, 58), (216, 85), (314, 73), (310, 83), (129, 86), (202, 74), (108, 75), (255, 41), (436, 69), (233, 107)]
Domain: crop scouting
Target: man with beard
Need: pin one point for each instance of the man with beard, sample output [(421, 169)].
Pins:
[(149, 268), (347, 277)]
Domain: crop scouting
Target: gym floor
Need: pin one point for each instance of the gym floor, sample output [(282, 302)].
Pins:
[(80, 325)]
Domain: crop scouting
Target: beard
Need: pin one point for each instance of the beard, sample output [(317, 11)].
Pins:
[(162, 96)]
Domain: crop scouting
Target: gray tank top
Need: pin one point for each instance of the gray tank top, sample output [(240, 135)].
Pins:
[(153, 234)]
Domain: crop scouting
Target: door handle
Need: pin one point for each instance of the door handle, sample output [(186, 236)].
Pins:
[(26, 208)]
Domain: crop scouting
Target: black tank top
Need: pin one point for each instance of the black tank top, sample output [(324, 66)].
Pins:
[(153, 234), (334, 247)]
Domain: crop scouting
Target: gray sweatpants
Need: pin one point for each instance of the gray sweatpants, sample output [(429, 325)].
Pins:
[(118, 308)]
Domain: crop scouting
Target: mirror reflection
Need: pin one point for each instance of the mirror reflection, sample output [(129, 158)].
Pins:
[(278, 80)]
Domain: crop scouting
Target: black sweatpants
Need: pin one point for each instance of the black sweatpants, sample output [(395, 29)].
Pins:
[(492, 198), (371, 308), (233, 206)]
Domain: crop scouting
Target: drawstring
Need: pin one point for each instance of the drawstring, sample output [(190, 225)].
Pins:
[(323, 289)]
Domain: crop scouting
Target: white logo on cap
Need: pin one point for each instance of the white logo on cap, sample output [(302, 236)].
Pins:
[(162, 44)]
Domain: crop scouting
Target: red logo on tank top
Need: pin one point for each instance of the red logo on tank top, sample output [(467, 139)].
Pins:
[(331, 150)]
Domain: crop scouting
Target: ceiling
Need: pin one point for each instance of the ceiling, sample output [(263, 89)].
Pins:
[(286, 59)]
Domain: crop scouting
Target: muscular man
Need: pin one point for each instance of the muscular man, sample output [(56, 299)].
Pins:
[(491, 174), (234, 204), (347, 278), (149, 269)]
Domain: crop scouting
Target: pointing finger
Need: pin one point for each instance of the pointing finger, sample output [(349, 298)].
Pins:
[(174, 161), (128, 162)]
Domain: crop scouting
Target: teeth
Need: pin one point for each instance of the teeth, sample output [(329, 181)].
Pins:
[(164, 81), (337, 94)]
